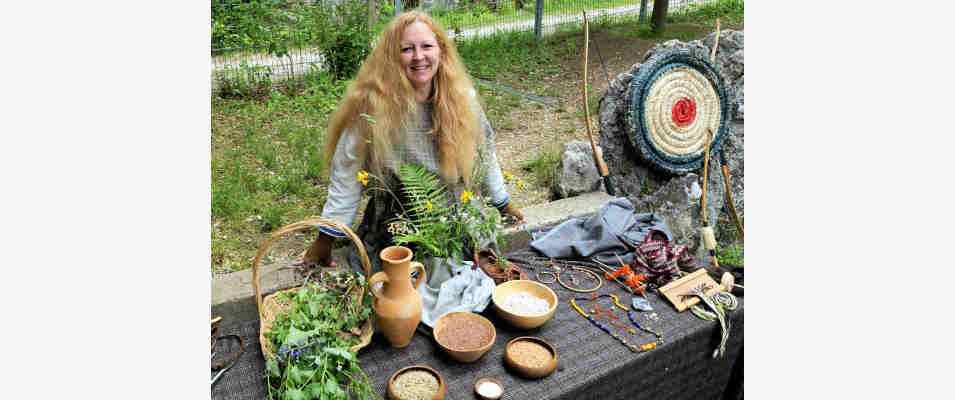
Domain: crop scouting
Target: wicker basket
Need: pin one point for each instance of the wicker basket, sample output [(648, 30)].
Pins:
[(271, 306)]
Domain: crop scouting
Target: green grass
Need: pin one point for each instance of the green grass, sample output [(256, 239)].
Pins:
[(508, 55), (684, 24), (498, 105), (730, 254), (544, 165), (475, 15), (730, 12), (267, 167)]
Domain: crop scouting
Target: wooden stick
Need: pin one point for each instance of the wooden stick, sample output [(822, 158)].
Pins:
[(598, 154), (716, 44), (724, 168), (706, 169), (728, 192)]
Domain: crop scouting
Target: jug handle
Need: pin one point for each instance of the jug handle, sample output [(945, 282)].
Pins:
[(372, 283), (421, 276)]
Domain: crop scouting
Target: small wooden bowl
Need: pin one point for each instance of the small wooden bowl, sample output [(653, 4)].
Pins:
[(442, 388), (464, 355), (509, 288), (527, 371), (478, 383)]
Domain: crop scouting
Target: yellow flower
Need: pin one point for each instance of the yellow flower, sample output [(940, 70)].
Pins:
[(465, 196), (429, 206), (363, 177), (508, 177)]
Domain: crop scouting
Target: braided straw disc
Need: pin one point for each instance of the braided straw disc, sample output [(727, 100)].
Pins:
[(676, 98), (679, 107)]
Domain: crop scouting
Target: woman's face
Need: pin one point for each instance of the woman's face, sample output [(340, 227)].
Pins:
[(420, 54)]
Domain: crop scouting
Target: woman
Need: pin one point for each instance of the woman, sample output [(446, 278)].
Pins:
[(411, 102)]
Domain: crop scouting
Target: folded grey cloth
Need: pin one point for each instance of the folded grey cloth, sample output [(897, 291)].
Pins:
[(454, 287), (615, 229)]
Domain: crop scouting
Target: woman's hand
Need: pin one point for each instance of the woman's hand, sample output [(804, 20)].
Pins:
[(511, 213), (320, 253)]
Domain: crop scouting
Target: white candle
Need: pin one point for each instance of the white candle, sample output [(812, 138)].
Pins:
[(489, 389)]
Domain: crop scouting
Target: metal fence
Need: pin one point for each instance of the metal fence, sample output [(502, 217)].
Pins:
[(244, 60)]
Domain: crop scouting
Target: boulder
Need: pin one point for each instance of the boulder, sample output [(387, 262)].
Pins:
[(576, 172), (729, 63), (676, 198)]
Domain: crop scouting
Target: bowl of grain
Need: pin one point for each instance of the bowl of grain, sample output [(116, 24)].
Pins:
[(464, 336), (530, 357), (524, 304), (417, 382)]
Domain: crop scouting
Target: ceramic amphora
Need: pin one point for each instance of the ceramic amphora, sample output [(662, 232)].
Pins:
[(397, 304)]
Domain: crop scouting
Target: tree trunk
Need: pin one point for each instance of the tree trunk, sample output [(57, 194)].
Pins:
[(659, 19)]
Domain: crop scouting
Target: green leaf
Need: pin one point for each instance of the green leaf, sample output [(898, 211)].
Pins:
[(272, 367), (315, 389), (295, 394), (298, 375), (315, 308), (303, 375), (302, 294), (295, 337), (343, 353), (333, 390)]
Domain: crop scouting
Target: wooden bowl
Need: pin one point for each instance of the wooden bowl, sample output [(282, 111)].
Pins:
[(464, 355), (442, 388), (530, 371), (509, 288), (478, 383)]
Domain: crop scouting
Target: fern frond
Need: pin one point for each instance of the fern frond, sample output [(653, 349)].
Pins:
[(425, 192)]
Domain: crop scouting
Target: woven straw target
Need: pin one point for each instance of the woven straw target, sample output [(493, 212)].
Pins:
[(676, 97)]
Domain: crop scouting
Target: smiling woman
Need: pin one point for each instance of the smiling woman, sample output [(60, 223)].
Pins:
[(420, 56), (412, 102)]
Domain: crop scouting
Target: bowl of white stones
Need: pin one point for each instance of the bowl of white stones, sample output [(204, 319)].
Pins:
[(525, 304)]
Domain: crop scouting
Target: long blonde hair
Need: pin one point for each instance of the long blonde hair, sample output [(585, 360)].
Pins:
[(380, 102)]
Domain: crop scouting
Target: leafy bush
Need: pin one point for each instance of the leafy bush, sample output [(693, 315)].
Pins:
[(237, 23), (344, 36)]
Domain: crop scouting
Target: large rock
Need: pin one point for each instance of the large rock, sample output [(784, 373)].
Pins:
[(576, 172), (673, 196), (678, 203), (729, 63)]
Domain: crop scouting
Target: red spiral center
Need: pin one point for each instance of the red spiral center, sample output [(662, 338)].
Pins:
[(684, 112)]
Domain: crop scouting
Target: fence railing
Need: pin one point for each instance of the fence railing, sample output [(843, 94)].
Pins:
[(250, 55)]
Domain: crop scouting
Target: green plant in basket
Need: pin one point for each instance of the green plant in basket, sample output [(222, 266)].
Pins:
[(313, 338)]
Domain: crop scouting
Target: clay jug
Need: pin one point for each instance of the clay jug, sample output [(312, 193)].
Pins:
[(397, 304)]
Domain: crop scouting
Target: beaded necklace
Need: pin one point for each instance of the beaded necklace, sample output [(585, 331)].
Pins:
[(616, 301)]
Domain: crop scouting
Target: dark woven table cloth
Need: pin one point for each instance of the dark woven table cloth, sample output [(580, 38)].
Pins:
[(591, 364)]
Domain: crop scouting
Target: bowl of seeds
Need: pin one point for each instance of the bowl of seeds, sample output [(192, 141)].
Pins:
[(417, 382), (524, 304), (465, 336), (530, 357)]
